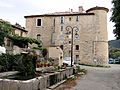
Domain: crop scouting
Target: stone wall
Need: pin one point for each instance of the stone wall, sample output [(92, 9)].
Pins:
[(93, 38), (40, 83)]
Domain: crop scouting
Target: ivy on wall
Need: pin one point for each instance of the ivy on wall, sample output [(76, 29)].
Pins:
[(23, 41), (6, 30)]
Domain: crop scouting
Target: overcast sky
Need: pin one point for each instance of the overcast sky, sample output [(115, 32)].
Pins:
[(15, 10)]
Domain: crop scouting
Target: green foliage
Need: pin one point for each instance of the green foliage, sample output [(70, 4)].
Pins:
[(8, 62), (114, 53), (23, 41), (44, 52), (5, 30), (116, 18), (26, 65)]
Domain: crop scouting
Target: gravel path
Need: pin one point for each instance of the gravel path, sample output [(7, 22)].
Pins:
[(99, 79)]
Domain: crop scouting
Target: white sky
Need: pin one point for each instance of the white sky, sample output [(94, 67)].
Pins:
[(15, 10)]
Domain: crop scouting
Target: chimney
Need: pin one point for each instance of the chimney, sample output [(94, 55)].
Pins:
[(81, 9), (71, 10)]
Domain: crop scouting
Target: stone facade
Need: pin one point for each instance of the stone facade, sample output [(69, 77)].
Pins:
[(57, 54), (86, 32)]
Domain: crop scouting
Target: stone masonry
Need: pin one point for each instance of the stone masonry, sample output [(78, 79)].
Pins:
[(91, 45)]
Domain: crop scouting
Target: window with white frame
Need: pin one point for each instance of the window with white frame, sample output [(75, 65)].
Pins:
[(38, 22)]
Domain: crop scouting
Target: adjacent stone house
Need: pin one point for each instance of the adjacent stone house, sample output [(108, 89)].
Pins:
[(20, 31), (82, 34), (16, 30)]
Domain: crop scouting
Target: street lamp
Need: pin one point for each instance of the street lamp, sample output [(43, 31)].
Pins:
[(71, 30)]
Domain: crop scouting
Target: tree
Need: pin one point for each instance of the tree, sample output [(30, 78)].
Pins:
[(114, 53), (116, 17), (5, 30)]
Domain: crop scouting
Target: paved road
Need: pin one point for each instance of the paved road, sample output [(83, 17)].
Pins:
[(100, 79)]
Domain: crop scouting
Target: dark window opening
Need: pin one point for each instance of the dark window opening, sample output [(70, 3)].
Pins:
[(39, 23), (70, 19), (54, 22), (61, 28), (60, 57), (38, 36), (77, 18), (61, 46), (77, 47), (62, 20), (77, 57), (69, 42)]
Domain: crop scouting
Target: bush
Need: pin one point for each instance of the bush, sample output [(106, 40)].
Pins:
[(24, 63), (8, 62)]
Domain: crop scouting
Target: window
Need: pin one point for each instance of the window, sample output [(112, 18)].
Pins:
[(69, 18), (39, 22), (77, 57), (61, 57), (21, 33), (38, 37), (61, 46), (77, 47), (77, 18), (61, 28), (8, 42), (69, 42), (62, 20), (54, 22)]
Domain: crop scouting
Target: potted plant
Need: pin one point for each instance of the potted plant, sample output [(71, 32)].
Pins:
[(41, 64)]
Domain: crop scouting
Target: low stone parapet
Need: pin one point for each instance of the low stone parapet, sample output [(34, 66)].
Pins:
[(40, 83)]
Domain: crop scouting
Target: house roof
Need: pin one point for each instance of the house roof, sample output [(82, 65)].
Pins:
[(60, 14), (68, 13), (15, 26), (20, 28), (98, 8)]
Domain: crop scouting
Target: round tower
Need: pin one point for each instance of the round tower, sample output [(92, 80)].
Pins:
[(100, 35)]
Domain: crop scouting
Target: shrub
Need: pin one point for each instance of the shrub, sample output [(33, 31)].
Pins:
[(8, 62), (26, 65)]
